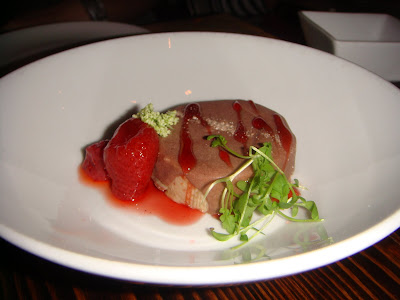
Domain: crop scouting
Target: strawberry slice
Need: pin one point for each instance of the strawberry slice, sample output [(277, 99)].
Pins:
[(93, 165), (129, 158)]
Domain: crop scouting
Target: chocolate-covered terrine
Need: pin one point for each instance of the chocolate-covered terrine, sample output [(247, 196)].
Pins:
[(187, 164)]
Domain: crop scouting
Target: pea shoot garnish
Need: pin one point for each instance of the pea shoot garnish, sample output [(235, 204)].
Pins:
[(268, 192)]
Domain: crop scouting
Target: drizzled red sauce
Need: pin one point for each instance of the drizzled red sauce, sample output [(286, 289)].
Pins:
[(284, 134), (259, 123), (240, 132), (224, 156), (186, 157), (252, 104), (153, 202)]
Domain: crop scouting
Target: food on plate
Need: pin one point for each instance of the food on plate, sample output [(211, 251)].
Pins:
[(229, 158), (127, 159), (186, 163), (93, 165)]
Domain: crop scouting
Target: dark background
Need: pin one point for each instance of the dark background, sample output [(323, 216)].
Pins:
[(278, 17)]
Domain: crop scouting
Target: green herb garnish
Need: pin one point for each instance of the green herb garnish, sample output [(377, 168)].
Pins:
[(161, 122), (268, 192)]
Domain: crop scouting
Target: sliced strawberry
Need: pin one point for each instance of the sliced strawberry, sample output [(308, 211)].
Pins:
[(93, 165), (130, 157)]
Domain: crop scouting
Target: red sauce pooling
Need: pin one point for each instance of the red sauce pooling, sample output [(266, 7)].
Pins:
[(186, 157), (157, 203), (86, 180), (259, 123), (153, 202), (240, 132)]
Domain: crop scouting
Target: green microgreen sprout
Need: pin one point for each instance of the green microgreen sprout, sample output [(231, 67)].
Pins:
[(268, 192)]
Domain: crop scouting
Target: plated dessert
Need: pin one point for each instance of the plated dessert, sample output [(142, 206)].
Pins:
[(229, 158), (186, 163)]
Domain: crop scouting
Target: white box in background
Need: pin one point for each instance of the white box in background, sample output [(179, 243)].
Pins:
[(369, 40)]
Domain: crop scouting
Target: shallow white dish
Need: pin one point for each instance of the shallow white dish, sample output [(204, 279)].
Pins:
[(28, 44), (369, 40), (346, 123)]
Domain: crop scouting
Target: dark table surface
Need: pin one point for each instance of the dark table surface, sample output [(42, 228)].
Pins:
[(370, 274)]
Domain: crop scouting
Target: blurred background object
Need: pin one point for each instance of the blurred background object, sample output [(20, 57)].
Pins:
[(369, 40), (278, 17)]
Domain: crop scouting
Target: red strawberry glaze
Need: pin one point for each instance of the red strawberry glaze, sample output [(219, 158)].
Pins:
[(153, 202)]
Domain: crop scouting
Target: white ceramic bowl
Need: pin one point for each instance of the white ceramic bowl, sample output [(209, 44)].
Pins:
[(345, 119), (369, 40)]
